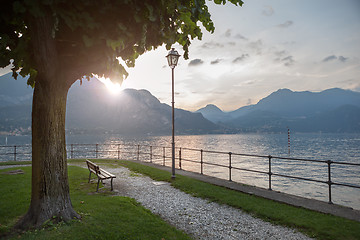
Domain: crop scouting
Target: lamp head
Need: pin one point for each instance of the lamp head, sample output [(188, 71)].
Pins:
[(173, 57)]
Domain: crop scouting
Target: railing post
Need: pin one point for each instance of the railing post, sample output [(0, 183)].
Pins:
[(270, 173), (138, 152), (96, 150), (201, 161), (230, 167), (180, 158), (329, 180), (15, 153), (151, 154), (72, 151), (163, 156), (118, 151)]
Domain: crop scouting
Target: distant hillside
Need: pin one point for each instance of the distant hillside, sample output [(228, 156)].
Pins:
[(287, 103), (14, 92), (345, 118), (91, 108), (15, 105), (332, 110)]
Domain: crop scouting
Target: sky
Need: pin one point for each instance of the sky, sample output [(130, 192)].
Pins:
[(256, 49)]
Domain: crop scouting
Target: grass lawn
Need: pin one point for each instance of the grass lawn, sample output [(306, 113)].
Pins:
[(104, 216)]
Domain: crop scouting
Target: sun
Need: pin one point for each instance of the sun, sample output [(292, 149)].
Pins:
[(114, 88)]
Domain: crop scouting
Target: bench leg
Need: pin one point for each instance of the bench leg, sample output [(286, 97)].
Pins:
[(111, 184), (89, 177), (97, 188)]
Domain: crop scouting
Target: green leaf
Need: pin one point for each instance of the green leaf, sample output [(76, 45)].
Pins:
[(115, 44), (150, 8), (35, 9), (19, 7), (32, 78), (219, 1), (137, 18), (121, 26), (87, 41)]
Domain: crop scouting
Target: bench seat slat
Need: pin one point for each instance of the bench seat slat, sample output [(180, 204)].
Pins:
[(103, 176), (106, 174)]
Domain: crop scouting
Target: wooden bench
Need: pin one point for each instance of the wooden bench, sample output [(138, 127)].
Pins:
[(100, 173)]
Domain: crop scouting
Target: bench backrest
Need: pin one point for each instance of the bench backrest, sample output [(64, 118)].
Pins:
[(93, 166)]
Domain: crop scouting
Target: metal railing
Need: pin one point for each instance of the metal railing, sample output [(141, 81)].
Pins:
[(15, 153), (269, 171), (161, 155)]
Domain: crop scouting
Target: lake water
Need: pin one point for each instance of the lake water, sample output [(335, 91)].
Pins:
[(335, 147)]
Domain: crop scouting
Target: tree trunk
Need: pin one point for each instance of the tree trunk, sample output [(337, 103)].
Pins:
[(50, 188)]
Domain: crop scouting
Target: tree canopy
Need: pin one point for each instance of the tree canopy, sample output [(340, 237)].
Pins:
[(89, 35)]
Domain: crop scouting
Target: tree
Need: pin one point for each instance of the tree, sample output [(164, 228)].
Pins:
[(57, 42)]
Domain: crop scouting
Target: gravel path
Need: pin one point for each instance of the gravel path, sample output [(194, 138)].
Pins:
[(198, 217), (13, 166)]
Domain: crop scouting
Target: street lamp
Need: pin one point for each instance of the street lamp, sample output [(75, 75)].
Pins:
[(173, 57)]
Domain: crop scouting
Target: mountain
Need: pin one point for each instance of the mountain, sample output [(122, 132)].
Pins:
[(332, 110), (15, 105), (14, 92), (133, 112), (287, 103), (92, 109), (213, 113), (345, 118)]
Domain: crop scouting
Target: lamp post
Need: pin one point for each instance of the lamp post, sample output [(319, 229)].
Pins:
[(173, 57)]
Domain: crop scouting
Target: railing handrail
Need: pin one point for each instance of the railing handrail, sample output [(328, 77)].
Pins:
[(274, 157)]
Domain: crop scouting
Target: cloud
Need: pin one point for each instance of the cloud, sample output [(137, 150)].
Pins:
[(280, 53), (241, 58), (289, 43), (257, 46), (211, 45), (352, 84), (329, 58), (284, 57), (249, 101), (342, 59), (286, 24), (268, 11), (288, 61), (216, 61), (228, 33), (333, 58), (195, 62), (244, 83), (239, 36)]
